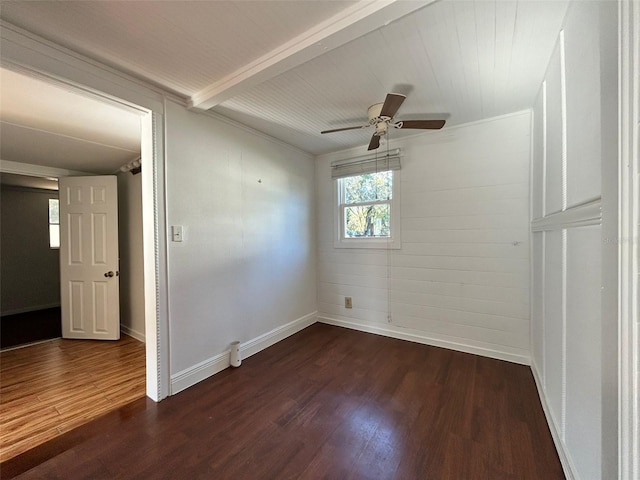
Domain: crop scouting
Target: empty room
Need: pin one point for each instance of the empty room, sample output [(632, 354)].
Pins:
[(386, 239)]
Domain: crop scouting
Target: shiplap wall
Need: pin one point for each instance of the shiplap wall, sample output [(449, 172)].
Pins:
[(461, 278), (574, 150)]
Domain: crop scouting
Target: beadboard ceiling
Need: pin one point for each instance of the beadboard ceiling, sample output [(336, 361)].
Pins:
[(293, 68)]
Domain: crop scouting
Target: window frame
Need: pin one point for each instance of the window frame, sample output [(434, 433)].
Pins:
[(53, 223), (392, 242)]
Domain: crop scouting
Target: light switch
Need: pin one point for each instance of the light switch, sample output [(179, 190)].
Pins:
[(176, 233)]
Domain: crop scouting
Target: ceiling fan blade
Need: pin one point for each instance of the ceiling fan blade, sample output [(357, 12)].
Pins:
[(374, 143), (422, 124), (392, 104), (345, 128)]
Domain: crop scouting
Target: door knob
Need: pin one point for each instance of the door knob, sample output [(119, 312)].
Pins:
[(109, 274)]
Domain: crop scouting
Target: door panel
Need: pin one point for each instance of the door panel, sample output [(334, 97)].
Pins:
[(89, 279)]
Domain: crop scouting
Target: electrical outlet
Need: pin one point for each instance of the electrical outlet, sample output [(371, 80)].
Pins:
[(347, 302)]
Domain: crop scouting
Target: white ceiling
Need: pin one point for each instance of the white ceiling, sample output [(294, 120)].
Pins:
[(294, 68), (50, 125), (24, 181)]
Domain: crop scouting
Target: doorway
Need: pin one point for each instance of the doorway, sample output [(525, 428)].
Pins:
[(50, 387), (29, 261), (138, 215)]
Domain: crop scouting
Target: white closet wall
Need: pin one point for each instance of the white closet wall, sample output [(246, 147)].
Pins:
[(573, 215)]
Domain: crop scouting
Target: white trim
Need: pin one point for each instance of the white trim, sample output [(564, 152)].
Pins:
[(543, 319), (588, 213), (199, 372), (563, 313), (628, 238), (563, 115), (203, 370), (155, 255), (544, 148), (277, 334), (531, 236), (561, 448), (132, 333), (30, 170), (401, 333), (35, 308)]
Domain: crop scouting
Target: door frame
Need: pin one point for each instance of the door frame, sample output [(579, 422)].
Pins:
[(31, 55), (156, 388), (628, 238)]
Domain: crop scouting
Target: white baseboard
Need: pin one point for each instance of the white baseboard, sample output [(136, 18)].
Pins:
[(413, 336), (201, 371), (35, 308), (565, 460), (274, 336), (192, 375), (133, 333)]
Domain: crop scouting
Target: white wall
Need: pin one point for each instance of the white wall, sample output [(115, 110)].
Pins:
[(246, 266), (458, 281), (572, 308), (29, 269), (131, 255)]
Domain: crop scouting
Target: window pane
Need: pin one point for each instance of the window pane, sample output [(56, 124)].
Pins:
[(368, 187), (54, 210), (367, 221), (54, 236)]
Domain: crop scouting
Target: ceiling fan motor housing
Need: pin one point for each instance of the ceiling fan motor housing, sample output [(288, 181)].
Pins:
[(374, 114), (379, 121)]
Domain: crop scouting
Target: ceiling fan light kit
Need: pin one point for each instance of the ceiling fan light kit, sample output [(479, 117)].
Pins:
[(381, 116)]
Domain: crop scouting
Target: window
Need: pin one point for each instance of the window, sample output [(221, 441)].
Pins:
[(54, 223), (367, 213)]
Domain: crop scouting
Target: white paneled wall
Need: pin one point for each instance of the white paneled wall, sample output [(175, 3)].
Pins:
[(569, 242), (461, 278)]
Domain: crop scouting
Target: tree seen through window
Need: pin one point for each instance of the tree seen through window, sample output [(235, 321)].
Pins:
[(367, 205)]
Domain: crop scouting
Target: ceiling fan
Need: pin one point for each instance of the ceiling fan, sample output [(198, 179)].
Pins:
[(381, 116)]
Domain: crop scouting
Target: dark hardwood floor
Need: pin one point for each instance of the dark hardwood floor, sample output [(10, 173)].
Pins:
[(29, 327), (325, 403)]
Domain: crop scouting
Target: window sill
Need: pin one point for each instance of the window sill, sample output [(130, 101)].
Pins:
[(369, 244)]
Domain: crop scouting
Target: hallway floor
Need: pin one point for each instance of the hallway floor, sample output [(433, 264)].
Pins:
[(52, 387)]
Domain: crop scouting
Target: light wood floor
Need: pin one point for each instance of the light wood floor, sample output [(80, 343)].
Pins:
[(52, 387)]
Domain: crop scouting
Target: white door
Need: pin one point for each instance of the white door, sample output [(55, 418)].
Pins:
[(89, 283)]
